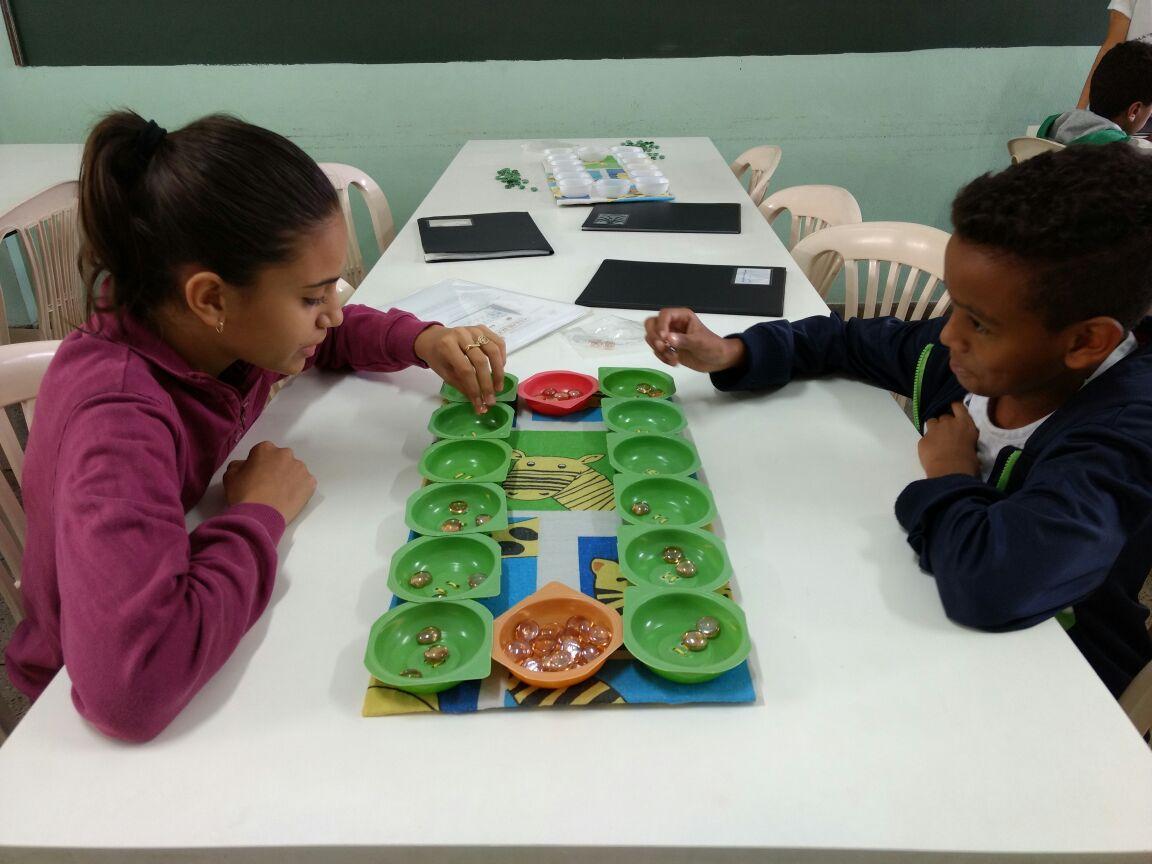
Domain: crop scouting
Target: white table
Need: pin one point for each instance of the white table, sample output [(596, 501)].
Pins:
[(882, 732)]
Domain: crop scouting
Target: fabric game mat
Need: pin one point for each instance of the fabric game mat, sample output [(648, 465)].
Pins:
[(562, 527)]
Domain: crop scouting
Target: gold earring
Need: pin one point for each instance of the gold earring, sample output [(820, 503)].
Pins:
[(220, 326)]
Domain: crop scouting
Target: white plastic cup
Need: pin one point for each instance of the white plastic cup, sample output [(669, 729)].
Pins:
[(651, 185), (614, 188)]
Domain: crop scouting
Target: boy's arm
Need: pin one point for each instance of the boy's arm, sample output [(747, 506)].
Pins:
[(880, 351), (1006, 561)]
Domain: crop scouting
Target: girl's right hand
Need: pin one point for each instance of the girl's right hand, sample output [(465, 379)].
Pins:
[(678, 337), (270, 475)]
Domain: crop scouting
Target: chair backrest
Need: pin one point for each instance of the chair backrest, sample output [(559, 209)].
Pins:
[(344, 177), (1136, 701), (811, 208), (22, 367), (48, 234), (1027, 147), (914, 255), (762, 161)]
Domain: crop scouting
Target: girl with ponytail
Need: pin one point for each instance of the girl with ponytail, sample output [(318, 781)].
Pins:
[(213, 252)]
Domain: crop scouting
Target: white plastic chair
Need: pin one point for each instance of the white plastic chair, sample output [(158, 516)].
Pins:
[(763, 162), (22, 367), (1024, 148), (343, 177), (914, 255), (811, 208), (48, 234)]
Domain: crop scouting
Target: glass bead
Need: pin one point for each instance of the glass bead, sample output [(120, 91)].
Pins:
[(643, 388), (694, 640), (673, 555), (526, 631), (483, 518), (686, 569), (436, 655), (458, 507), (428, 636), (655, 393), (551, 631), (709, 626), (599, 636), (519, 649), (531, 664), (572, 394), (557, 661), (542, 647), (451, 526), (569, 646), (476, 579), (411, 673), (439, 593), (641, 508), (577, 625), (548, 392), (420, 579), (589, 653)]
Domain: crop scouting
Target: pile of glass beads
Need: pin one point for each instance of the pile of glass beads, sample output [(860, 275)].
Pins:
[(643, 508), (512, 179), (460, 508), (646, 389), (422, 579), (551, 394), (434, 655), (707, 629), (556, 646), (683, 567)]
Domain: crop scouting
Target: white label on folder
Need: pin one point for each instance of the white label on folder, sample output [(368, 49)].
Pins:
[(449, 223), (753, 276)]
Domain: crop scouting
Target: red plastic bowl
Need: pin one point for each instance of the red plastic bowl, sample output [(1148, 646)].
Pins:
[(559, 379)]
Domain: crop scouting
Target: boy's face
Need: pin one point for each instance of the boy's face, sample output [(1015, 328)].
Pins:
[(999, 347)]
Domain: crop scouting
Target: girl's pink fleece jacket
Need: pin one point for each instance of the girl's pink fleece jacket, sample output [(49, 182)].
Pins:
[(125, 439)]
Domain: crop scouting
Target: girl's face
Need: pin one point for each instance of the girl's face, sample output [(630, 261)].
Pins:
[(279, 322)]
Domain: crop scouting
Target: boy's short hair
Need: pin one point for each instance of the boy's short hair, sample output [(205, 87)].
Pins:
[(1123, 76), (1080, 220)]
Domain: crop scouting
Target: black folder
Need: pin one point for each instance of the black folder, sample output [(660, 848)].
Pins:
[(665, 216), (720, 288), (481, 235)]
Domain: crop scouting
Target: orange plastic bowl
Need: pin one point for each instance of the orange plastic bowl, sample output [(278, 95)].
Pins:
[(555, 602), (531, 388)]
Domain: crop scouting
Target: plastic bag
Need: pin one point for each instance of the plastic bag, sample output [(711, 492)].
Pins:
[(601, 334)]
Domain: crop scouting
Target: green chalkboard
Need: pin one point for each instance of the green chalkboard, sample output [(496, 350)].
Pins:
[(170, 32)]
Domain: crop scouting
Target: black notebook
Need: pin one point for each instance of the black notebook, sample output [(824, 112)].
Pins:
[(665, 216), (719, 288), (481, 235)]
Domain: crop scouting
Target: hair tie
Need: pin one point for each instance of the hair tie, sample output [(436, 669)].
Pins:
[(149, 139)]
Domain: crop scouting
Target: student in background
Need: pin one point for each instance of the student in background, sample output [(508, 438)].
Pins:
[(1034, 397), (1127, 19), (1120, 101), (222, 244)]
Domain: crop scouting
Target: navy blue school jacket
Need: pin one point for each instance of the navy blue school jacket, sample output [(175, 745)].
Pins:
[(1061, 528)]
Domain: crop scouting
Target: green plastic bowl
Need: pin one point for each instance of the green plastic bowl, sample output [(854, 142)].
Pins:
[(642, 415), (466, 631), (644, 453), (656, 620), (672, 501), (507, 392), (427, 508), (641, 555), (481, 460), (449, 561), (460, 420), (621, 382)]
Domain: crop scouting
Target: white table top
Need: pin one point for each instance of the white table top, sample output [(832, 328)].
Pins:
[(879, 726), (26, 169)]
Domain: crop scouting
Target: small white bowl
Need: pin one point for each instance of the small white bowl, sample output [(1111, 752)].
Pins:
[(611, 188), (591, 153), (651, 185), (645, 172), (575, 188), (572, 175), (621, 151), (565, 167), (560, 151)]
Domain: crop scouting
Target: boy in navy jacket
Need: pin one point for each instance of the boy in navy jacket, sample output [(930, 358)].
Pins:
[(1034, 397)]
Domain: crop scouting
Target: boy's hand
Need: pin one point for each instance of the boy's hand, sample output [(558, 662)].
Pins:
[(678, 337), (949, 444), (471, 359)]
